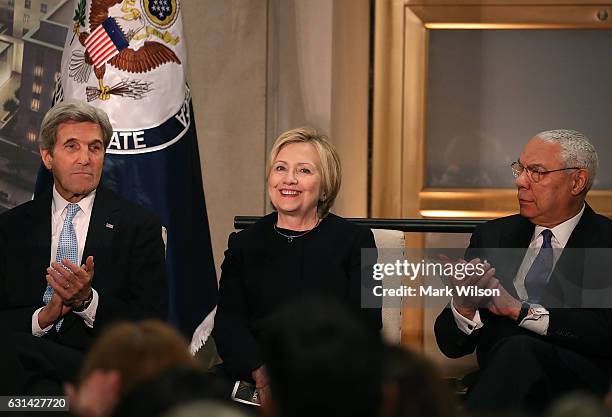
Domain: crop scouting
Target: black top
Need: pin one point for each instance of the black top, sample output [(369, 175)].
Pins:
[(262, 271)]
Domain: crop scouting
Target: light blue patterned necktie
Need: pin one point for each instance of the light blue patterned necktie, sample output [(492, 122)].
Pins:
[(67, 248)]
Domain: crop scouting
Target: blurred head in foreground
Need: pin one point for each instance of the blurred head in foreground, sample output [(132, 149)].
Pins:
[(124, 357), (321, 362), (413, 387)]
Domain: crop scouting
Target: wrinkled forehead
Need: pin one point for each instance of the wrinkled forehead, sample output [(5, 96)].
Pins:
[(86, 131), (538, 152)]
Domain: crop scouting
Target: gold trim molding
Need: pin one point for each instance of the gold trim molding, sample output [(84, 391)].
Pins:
[(489, 203), (499, 16)]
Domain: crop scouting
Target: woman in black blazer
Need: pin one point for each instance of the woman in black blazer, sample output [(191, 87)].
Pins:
[(299, 249)]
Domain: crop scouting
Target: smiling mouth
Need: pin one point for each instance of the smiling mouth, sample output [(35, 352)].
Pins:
[(289, 193)]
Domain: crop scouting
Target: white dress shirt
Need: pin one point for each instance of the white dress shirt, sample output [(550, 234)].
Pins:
[(81, 226), (537, 323)]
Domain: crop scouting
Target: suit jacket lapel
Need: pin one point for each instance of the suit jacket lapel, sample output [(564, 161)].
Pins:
[(514, 243), (582, 233), (566, 281), (102, 223), (104, 220)]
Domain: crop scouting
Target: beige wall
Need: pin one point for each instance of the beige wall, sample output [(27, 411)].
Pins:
[(259, 67), (226, 42)]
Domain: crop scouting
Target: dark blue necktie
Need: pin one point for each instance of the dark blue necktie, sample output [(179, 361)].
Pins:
[(537, 276)]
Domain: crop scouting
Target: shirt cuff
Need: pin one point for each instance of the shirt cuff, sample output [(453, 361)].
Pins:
[(464, 324), (36, 330), (89, 314), (537, 320)]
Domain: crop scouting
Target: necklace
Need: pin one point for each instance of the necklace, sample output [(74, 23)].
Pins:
[(290, 237)]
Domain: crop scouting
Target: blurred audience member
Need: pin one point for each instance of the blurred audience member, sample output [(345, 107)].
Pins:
[(173, 388), (205, 409), (125, 356), (321, 362), (413, 388), (608, 401), (577, 404)]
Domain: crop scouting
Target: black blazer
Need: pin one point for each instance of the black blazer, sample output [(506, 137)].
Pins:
[(587, 331), (129, 265), (262, 271)]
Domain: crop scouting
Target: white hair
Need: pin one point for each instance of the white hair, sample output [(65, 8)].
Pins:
[(576, 150)]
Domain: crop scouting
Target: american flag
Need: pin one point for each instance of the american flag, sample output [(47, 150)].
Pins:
[(106, 41)]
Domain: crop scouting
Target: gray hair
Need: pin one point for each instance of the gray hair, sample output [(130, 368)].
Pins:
[(72, 111), (576, 150)]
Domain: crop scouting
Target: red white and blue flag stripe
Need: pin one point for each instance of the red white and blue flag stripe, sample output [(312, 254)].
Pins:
[(105, 42)]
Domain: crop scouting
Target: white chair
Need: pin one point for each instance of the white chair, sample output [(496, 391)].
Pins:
[(391, 314)]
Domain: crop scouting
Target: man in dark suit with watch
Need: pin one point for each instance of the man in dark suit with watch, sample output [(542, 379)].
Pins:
[(540, 337), (72, 260)]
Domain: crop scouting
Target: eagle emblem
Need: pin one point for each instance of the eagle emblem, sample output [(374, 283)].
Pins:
[(111, 39)]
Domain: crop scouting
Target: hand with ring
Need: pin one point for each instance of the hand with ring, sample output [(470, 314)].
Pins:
[(72, 283)]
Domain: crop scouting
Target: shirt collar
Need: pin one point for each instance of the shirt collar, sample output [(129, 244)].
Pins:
[(561, 232), (60, 203)]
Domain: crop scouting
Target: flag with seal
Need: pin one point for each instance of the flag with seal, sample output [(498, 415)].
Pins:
[(128, 57)]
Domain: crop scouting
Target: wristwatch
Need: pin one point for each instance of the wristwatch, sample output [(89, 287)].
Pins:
[(531, 312), (82, 305), (525, 307)]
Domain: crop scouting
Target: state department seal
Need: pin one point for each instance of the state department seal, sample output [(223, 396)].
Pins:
[(161, 13)]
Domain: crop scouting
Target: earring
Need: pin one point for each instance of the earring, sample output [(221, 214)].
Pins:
[(323, 197)]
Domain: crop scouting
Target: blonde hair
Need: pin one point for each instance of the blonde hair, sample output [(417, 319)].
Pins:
[(331, 169)]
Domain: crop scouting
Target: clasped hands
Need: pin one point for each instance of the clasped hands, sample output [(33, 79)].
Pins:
[(467, 302), (71, 287)]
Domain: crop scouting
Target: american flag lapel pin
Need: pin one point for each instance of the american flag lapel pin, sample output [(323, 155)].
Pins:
[(109, 226)]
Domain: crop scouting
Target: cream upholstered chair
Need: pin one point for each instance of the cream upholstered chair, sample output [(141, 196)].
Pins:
[(391, 315)]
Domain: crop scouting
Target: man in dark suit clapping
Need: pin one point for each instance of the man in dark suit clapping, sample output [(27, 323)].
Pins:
[(544, 335), (72, 260)]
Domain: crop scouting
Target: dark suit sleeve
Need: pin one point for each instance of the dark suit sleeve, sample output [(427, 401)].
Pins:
[(11, 319), (360, 276), (145, 292), (451, 340), (587, 331), (236, 344)]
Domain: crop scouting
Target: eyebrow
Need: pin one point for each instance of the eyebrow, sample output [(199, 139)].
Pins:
[(299, 163), (94, 141), (536, 165)]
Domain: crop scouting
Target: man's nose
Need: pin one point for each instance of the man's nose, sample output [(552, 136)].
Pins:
[(522, 181), (84, 156)]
